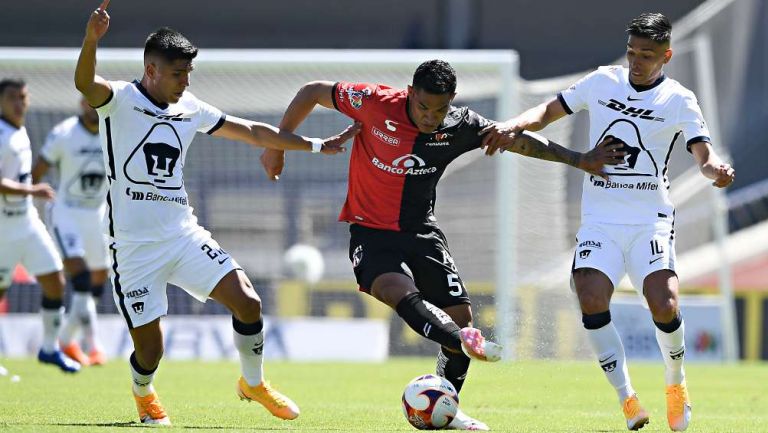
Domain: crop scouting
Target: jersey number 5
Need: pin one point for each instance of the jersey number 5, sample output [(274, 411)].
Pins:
[(455, 285)]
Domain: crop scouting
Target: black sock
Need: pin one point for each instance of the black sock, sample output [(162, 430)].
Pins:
[(429, 321), (452, 366)]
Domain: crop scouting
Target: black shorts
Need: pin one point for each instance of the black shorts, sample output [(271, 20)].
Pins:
[(424, 257)]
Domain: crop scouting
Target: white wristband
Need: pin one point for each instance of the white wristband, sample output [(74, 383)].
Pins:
[(317, 144)]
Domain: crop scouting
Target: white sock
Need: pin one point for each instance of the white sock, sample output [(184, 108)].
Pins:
[(142, 383), (52, 319), (251, 348), (672, 347), (74, 320), (607, 345), (88, 319)]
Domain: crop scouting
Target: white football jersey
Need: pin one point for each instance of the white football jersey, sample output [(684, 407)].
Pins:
[(145, 145), (77, 153), (647, 120), (16, 165)]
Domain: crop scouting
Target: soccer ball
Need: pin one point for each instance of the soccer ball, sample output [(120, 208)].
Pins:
[(304, 262), (430, 402)]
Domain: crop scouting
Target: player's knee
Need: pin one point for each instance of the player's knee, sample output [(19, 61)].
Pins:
[(663, 309), (82, 282), (593, 301)]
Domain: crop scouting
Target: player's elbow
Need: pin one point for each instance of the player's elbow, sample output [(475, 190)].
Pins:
[(317, 92)]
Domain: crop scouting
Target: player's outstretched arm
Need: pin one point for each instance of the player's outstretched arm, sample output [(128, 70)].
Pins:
[(536, 146), (95, 88), (502, 134), (311, 94), (711, 165), (39, 190), (264, 135)]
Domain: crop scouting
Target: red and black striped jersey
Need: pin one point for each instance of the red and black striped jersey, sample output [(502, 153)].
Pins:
[(394, 168)]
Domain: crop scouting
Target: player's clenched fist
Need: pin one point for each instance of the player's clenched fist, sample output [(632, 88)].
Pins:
[(98, 23), (500, 136), (725, 174)]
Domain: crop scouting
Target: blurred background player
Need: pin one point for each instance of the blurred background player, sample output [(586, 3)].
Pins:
[(76, 222), (147, 127), (23, 238), (398, 252), (628, 220)]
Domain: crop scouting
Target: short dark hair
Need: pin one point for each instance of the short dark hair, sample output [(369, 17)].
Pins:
[(11, 82), (653, 26), (436, 77), (170, 45)]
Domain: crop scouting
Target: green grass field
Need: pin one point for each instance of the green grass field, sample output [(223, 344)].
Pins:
[(513, 397)]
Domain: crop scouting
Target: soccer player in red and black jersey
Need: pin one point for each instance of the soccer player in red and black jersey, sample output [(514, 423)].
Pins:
[(399, 254)]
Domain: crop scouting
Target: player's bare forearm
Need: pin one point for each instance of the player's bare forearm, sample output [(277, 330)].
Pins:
[(711, 165), (95, 89), (536, 146), (261, 135), (11, 187)]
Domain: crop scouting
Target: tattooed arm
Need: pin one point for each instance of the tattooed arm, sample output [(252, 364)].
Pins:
[(536, 146)]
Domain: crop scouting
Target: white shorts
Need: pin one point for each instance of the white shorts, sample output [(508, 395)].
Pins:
[(194, 262), (616, 249), (80, 233), (26, 241)]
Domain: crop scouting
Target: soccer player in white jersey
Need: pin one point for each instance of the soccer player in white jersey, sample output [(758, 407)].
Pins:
[(76, 222), (627, 221), (146, 129), (23, 238)]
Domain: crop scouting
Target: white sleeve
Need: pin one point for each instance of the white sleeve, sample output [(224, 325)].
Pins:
[(118, 93), (51, 150), (576, 97), (210, 118), (691, 122)]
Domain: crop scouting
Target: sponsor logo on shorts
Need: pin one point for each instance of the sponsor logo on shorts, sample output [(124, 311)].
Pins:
[(138, 293), (357, 256), (138, 307), (591, 244)]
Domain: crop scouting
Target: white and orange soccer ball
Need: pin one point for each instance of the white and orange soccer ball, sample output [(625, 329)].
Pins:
[(430, 402)]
